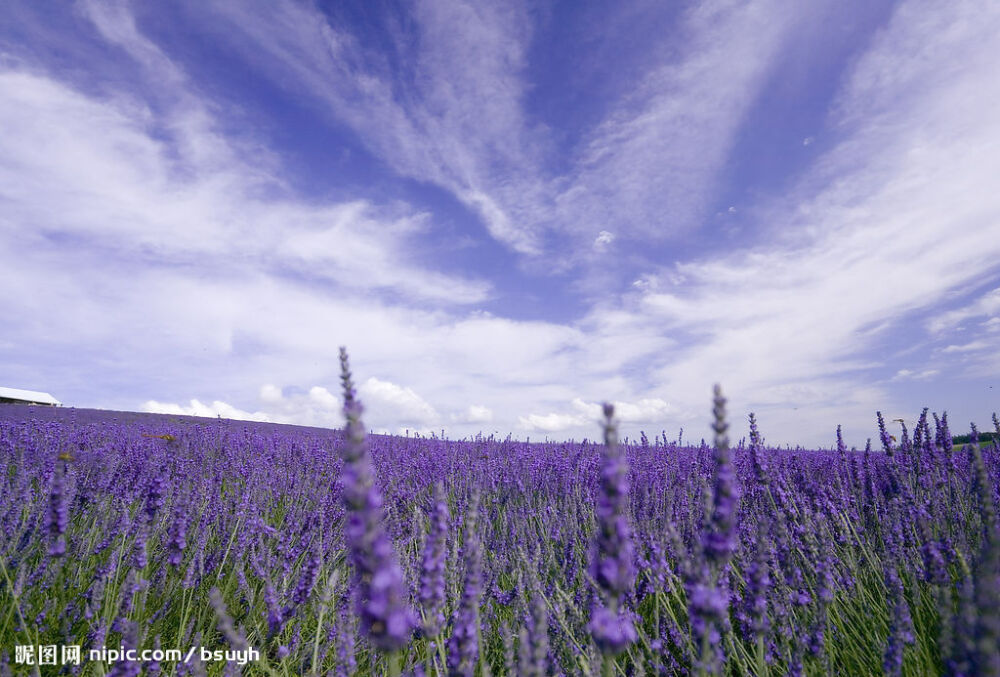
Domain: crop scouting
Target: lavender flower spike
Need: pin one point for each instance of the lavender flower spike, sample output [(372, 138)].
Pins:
[(613, 558), (987, 603), (900, 625), (57, 517), (721, 539), (432, 583), (708, 599), (884, 435), (463, 647), (378, 580)]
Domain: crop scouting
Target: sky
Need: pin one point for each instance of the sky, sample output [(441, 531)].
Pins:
[(508, 212)]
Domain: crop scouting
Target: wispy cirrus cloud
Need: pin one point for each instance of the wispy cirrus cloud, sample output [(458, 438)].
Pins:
[(887, 223), (455, 115), (970, 347), (909, 374), (100, 173), (652, 166), (986, 306), (452, 116)]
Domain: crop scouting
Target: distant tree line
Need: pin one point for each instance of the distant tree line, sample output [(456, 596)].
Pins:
[(965, 439)]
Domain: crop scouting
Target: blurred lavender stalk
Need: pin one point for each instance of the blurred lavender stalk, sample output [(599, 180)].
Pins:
[(463, 646), (613, 554), (432, 583), (708, 597), (57, 518), (386, 619)]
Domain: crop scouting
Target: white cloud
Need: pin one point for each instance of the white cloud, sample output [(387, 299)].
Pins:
[(987, 305), (603, 240), (645, 282), (550, 423), (196, 408), (457, 122), (647, 410), (270, 394), (100, 172), (967, 347), (474, 413), (652, 164), (395, 402), (389, 409), (910, 375), (904, 199), (586, 417), (457, 118), (324, 399)]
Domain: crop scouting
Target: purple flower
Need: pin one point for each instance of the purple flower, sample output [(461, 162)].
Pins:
[(463, 645), (945, 433), (756, 447), (236, 637), (613, 554), (432, 583), (758, 585), (139, 559), (507, 637), (307, 579), (708, 599), (824, 595), (154, 497), (176, 540), (535, 636), (900, 624), (904, 440), (381, 604), (612, 632), (981, 486), (275, 613), (922, 435), (721, 539), (987, 588), (130, 640), (884, 434), (57, 517), (152, 667), (932, 552)]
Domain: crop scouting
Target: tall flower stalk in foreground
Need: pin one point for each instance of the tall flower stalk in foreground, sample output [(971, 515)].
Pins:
[(386, 619), (463, 647), (613, 556), (707, 596), (986, 654), (432, 582), (900, 624), (57, 517)]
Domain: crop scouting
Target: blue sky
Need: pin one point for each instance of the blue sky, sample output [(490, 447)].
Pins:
[(509, 212)]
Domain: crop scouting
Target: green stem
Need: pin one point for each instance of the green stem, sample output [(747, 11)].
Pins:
[(319, 631), (17, 605), (761, 663), (394, 664)]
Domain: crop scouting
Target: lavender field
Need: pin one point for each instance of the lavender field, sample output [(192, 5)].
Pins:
[(332, 553)]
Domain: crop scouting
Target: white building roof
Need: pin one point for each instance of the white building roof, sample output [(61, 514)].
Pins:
[(28, 396)]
